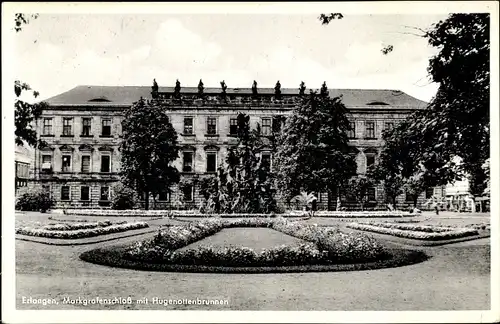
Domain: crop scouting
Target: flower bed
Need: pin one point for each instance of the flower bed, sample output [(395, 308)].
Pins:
[(410, 227), (451, 233), (77, 226), (327, 245), (196, 214), (117, 257), (80, 233)]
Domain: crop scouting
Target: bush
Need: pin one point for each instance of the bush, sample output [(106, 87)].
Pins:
[(123, 197), (35, 199)]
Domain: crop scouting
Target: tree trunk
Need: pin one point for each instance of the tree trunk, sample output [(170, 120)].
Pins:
[(154, 201), (146, 201)]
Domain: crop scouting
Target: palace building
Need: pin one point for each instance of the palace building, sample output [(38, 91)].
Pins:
[(83, 130)]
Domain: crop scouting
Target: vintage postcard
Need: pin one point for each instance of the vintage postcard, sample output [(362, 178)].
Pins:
[(250, 162)]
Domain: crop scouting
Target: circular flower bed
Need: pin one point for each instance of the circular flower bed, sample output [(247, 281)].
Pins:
[(325, 249)]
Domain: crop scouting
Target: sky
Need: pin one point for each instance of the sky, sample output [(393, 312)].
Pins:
[(57, 52)]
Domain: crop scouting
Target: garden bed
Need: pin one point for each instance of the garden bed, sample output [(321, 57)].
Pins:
[(116, 257), (419, 232), (325, 249), (69, 233), (197, 214)]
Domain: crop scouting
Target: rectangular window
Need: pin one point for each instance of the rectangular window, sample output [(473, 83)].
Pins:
[(65, 193), (106, 127), (389, 126), (67, 126), (233, 126), (104, 193), (187, 165), (409, 197), (211, 162), (86, 126), (266, 160), (370, 161), (211, 125), (66, 163), (105, 163), (370, 130), (188, 125), (429, 192), (277, 123), (85, 193), (86, 163), (370, 193), (164, 196), (266, 126), (188, 193), (47, 126), (46, 162), (352, 132)]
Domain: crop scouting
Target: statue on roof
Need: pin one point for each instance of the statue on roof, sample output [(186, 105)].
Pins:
[(302, 88), (277, 90), (324, 90), (177, 89), (154, 89), (200, 89), (223, 87), (254, 88)]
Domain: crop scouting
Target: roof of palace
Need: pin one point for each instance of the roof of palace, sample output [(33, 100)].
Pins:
[(126, 95)]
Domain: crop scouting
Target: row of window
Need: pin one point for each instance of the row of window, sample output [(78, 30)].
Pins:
[(188, 193), (211, 127), (105, 194), (188, 161), (66, 165), (68, 127), (84, 193), (369, 129)]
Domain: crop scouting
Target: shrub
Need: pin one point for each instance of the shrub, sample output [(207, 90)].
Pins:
[(35, 199), (123, 197)]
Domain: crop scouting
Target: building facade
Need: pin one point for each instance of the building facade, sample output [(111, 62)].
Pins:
[(83, 130), (24, 163)]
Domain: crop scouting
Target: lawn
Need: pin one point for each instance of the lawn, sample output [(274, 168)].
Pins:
[(457, 277), (254, 238)]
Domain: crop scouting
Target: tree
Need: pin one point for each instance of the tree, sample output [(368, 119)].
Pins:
[(327, 18), (148, 148), (21, 19), (313, 152), (26, 113), (461, 107), (245, 183), (123, 197), (456, 123), (357, 188), (414, 186)]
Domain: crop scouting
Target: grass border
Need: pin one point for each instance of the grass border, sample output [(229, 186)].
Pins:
[(114, 257)]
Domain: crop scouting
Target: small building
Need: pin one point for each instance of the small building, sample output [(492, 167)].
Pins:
[(23, 159)]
